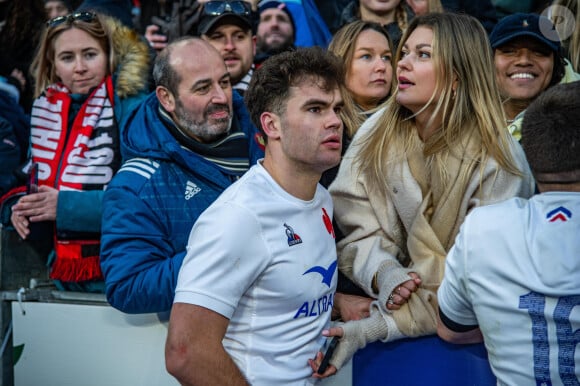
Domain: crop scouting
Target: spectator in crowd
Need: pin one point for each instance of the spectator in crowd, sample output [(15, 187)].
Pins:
[(15, 139), (527, 61), (119, 9), (366, 50), (185, 145), (331, 12), (505, 8), (178, 18), (311, 30), (151, 11), (512, 276), (162, 22), (13, 84), (416, 167), (273, 227), (394, 15), (276, 30), (56, 8), (482, 10), (9, 154), (421, 7), (228, 26), (20, 35), (253, 3), (75, 123)]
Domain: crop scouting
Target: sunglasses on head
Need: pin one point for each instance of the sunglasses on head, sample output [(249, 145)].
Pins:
[(82, 16), (217, 8)]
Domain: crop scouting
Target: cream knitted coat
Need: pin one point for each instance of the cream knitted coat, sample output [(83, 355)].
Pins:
[(413, 228)]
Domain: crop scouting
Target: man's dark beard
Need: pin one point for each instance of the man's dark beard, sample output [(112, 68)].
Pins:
[(263, 48)]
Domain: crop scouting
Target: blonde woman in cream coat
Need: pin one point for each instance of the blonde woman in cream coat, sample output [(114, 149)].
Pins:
[(414, 171)]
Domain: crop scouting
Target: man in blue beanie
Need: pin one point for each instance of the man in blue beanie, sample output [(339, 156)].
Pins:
[(276, 30)]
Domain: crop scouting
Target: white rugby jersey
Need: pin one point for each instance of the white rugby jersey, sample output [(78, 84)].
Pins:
[(267, 261), (515, 271)]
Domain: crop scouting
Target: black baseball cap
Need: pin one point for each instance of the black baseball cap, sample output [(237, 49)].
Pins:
[(216, 13), (525, 24)]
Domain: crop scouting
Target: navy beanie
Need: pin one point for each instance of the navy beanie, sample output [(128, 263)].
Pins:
[(267, 4), (525, 24)]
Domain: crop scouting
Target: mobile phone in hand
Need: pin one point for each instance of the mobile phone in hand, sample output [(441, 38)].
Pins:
[(32, 182), (328, 354)]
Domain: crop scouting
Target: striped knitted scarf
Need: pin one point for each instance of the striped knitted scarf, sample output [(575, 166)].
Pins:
[(81, 156), (230, 153)]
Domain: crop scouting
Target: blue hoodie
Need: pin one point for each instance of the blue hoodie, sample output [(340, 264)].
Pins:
[(151, 206)]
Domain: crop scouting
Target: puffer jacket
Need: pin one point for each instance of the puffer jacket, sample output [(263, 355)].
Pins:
[(81, 211), (151, 206)]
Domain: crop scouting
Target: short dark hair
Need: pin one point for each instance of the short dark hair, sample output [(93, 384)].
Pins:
[(551, 134), (270, 85), (559, 69)]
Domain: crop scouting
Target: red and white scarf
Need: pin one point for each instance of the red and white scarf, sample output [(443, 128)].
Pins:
[(82, 157)]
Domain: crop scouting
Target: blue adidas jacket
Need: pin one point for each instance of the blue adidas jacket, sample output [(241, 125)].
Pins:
[(151, 206)]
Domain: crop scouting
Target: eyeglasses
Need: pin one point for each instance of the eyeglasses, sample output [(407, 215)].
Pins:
[(217, 8), (82, 16)]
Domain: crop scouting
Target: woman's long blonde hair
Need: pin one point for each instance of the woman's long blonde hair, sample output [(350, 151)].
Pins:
[(571, 43), (43, 69), (435, 6), (461, 53), (343, 44)]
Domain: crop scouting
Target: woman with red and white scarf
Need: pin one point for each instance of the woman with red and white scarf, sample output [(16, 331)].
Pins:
[(90, 71)]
